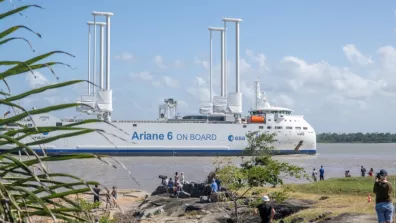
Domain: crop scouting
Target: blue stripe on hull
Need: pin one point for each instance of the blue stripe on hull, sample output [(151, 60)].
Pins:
[(162, 152)]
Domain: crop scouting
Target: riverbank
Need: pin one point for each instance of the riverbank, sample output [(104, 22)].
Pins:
[(330, 201)]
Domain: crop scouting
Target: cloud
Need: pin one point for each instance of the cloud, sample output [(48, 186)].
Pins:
[(259, 58), (203, 63), (355, 56), (36, 79), (170, 82), (200, 90), (178, 64), (145, 76), (159, 61), (125, 56)]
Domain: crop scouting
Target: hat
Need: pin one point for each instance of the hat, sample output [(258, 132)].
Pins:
[(265, 198), (383, 173)]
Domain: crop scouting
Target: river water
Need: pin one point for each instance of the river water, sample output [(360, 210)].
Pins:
[(335, 158)]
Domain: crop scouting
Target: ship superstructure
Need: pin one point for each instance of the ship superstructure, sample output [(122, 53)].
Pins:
[(218, 129)]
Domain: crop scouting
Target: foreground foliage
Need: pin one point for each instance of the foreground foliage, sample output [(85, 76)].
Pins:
[(27, 188), (257, 170)]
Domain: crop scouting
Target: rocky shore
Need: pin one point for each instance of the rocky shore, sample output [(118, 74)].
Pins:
[(162, 207)]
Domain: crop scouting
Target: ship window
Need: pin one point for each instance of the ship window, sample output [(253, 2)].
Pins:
[(269, 119), (298, 128), (260, 127), (59, 124), (134, 125), (30, 125), (216, 118), (268, 127), (276, 120), (244, 126), (305, 128), (278, 127), (289, 127)]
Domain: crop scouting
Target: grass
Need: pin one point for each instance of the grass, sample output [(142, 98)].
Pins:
[(345, 195), (349, 186)]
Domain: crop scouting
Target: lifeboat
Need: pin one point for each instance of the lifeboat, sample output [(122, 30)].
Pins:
[(257, 119)]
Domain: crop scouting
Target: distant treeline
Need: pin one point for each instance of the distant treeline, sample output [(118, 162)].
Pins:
[(356, 138)]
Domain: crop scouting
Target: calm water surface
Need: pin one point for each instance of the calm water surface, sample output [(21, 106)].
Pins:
[(335, 158)]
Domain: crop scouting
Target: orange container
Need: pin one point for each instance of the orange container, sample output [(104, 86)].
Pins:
[(257, 119)]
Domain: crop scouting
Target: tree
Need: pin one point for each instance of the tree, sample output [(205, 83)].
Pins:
[(24, 192), (259, 170)]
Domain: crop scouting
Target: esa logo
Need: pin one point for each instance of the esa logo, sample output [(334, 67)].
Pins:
[(236, 138), (45, 133)]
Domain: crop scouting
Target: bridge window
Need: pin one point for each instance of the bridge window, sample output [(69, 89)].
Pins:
[(278, 127), (269, 127), (59, 124), (260, 127), (289, 127), (269, 120), (30, 125), (134, 125), (298, 128), (244, 126), (305, 128)]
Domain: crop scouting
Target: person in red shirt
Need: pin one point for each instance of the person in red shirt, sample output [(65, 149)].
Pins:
[(371, 172)]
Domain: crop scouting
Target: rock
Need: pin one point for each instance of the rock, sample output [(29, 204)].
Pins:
[(193, 208), (323, 198), (290, 207), (160, 190), (297, 220)]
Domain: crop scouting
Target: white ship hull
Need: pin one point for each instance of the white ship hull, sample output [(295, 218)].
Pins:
[(155, 138)]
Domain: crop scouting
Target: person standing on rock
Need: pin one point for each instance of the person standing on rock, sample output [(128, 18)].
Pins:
[(177, 177), (267, 212), (321, 173), (383, 201)]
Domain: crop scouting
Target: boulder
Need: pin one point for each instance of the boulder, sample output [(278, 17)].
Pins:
[(160, 190)]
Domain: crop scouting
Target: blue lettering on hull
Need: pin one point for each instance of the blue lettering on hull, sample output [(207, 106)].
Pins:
[(169, 136), (161, 152)]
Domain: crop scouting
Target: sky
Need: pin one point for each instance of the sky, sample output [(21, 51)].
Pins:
[(332, 61)]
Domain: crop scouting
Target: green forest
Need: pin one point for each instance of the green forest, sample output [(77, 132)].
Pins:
[(356, 138)]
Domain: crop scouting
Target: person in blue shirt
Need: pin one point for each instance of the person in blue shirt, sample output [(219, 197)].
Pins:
[(321, 172), (214, 186), (170, 185)]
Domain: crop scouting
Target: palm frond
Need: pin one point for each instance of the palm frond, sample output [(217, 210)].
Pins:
[(18, 69), (17, 38), (15, 28), (18, 10), (42, 89)]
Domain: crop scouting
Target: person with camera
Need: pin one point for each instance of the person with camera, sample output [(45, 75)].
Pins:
[(383, 201)]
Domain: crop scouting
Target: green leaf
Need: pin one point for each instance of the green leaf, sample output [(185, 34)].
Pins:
[(21, 69), (17, 38), (15, 28), (61, 136), (42, 89), (41, 130), (17, 10), (37, 111), (38, 200)]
